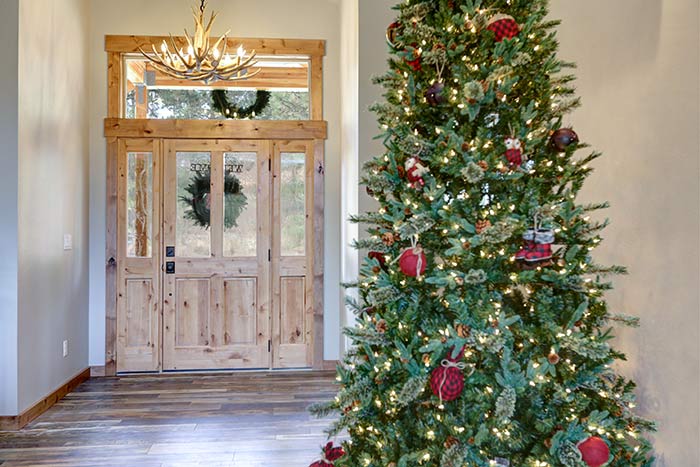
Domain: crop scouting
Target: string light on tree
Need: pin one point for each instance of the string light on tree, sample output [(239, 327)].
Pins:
[(485, 249)]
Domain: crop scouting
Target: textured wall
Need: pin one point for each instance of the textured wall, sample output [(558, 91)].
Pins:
[(638, 77), (303, 19), (53, 195), (9, 13)]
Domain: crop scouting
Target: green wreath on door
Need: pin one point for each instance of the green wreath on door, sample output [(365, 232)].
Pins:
[(198, 199)]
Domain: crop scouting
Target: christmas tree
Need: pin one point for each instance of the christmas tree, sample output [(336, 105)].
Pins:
[(483, 337)]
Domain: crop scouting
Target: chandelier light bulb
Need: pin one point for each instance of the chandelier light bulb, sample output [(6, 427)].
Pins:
[(202, 61)]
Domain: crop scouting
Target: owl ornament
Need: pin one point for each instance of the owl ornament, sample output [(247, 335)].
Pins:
[(514, 152), (415, 170)]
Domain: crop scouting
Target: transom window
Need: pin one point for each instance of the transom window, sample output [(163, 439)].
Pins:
[(284, 82)]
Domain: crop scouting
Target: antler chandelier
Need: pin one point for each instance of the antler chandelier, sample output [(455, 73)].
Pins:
[(202, 61)]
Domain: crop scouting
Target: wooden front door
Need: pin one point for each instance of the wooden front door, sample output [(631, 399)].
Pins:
[(216, 224), (214, 245)]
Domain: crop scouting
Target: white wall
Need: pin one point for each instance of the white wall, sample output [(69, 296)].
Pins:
[(53, 196), (303, 19), (350, 57), (9, 14), (638, 77)]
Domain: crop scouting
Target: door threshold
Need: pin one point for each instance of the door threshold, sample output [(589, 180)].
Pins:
[(229, 371)]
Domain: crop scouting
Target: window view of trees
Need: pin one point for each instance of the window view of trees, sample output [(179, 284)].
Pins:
[(196, 104)]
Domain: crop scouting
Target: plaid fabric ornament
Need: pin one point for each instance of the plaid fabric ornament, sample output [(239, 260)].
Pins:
[(503, 27), (539, 253), (330, 454), (447, 380), (538, 245)]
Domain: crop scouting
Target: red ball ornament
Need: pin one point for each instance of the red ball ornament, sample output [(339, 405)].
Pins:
[(595, 451), (503, 27), (562, 139), (447, 380), (413, 261), (330, 455)]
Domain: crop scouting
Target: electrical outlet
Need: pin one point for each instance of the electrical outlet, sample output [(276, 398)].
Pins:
[(67, 242), (65, 349)]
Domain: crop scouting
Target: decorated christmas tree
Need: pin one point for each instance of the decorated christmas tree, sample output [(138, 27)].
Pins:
[(483, 337)]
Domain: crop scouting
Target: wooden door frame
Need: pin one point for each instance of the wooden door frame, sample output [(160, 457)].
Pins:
[(116, 127)]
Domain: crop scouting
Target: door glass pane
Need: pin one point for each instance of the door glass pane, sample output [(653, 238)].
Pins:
[(193, 205), (279, 91), (139, 204), (240, 204), (293, 203)]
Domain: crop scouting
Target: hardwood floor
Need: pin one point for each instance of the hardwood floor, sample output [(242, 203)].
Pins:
[(241, 420)]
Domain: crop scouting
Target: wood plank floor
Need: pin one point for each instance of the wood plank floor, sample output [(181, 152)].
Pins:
[(241, 420)]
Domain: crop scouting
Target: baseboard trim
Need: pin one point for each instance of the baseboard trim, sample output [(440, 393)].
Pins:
[(97, 371), (18, 422), (330, 365)]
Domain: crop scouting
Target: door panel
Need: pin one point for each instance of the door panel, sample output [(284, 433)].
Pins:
[(292, 339), (240, 302), (138, 259), (192, 310), (216, 298)]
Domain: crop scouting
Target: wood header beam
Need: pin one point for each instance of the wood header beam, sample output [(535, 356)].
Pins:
[(215, 129), (302, 47)]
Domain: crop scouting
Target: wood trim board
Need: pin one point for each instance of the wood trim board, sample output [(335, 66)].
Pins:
[(289, 47), (216, 129), (313, 131), (18, 422)]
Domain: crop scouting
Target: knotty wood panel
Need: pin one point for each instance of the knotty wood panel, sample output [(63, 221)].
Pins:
[(140, 306), (137, 322), (292, 306), (296, 47), (240, 305), (222, 129), (293, 317), (192, 298), (217, 309)]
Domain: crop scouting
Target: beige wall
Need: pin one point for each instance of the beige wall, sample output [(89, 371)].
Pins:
[(8, 205), (304, 19), (53, 195), (638, 77)]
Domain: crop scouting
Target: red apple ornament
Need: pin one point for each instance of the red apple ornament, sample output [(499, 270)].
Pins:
[(595, 451)]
